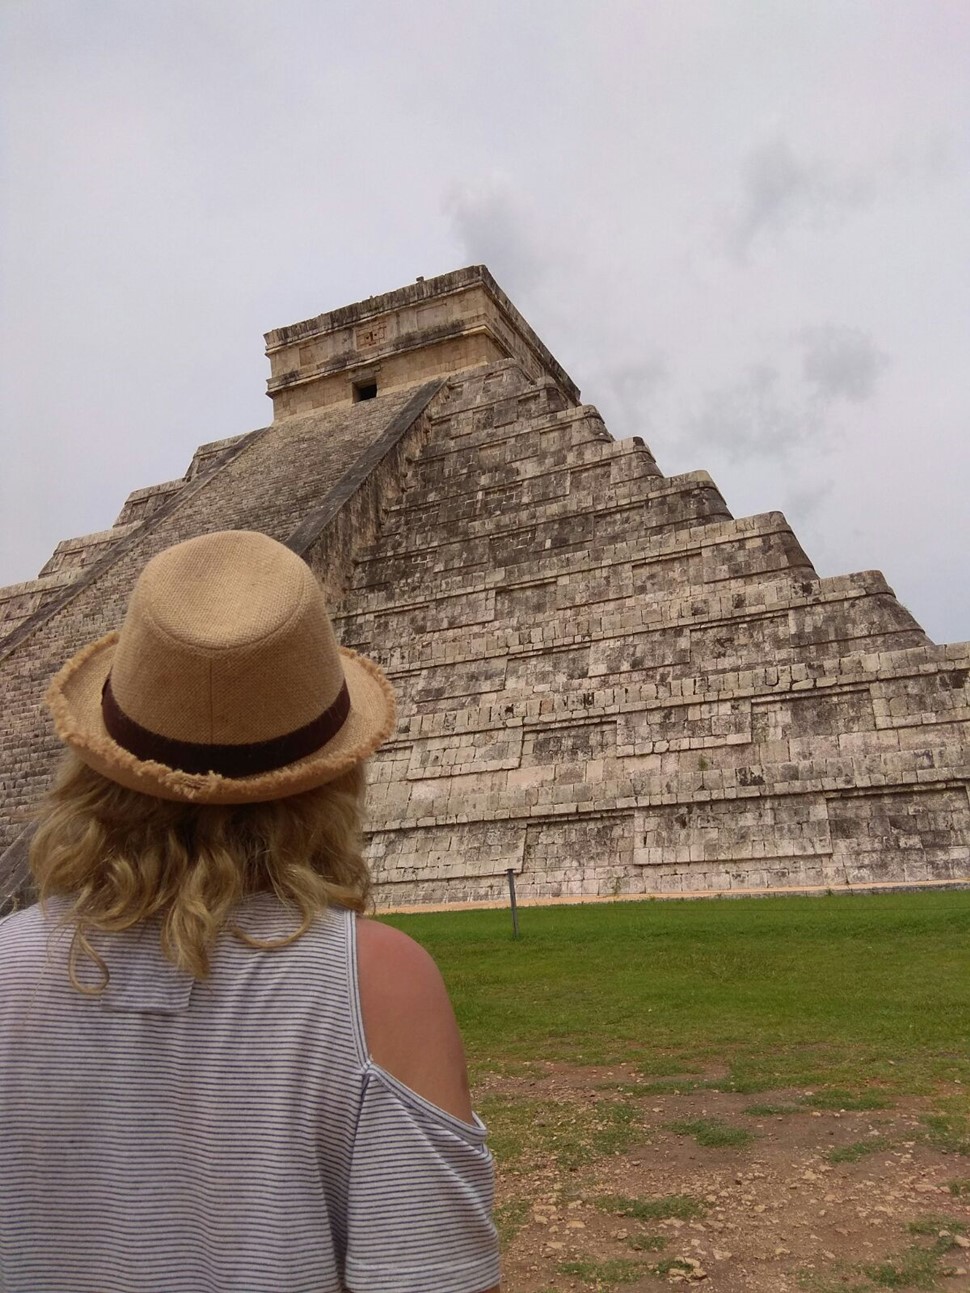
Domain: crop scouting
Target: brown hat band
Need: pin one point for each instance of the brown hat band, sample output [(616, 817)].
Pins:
[(227, 760)]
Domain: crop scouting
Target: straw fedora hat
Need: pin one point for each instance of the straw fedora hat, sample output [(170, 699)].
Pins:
[(225, 684)]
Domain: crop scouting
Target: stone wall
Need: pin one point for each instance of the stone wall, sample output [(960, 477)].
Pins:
[(611, 686)]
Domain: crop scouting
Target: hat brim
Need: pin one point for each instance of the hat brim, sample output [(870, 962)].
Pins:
[(74, 699)]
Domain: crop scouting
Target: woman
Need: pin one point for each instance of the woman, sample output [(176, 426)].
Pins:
[(213, 1075)]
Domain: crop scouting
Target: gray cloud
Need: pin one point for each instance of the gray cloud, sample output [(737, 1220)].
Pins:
[(636, 381), (781, 191), (753, 418), (841, 363), (807, 502), (495, 226), (627, 392), (773, 408), (806, 498)]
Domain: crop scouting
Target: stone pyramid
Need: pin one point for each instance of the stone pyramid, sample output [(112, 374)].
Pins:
[(608, 684)]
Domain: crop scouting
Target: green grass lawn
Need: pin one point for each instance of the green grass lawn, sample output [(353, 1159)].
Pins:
[(847, 991)]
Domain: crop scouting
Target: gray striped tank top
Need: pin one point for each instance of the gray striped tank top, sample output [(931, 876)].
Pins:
[(231, 1136)]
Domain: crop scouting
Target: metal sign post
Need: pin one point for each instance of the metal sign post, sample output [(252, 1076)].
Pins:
[(515, 911)]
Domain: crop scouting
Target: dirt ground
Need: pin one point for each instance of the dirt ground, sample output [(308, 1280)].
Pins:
[(773, 1215)]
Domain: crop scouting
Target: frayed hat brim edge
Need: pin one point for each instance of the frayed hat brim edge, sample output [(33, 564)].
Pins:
[(85, 734)]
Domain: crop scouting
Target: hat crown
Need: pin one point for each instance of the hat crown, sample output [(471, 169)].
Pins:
[(219, 592), (226, 641)]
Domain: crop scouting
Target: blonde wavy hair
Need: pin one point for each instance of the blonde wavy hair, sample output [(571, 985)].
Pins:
[(122, 857)]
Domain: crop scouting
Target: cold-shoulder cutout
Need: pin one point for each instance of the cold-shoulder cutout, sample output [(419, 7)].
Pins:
[(408, 1021)]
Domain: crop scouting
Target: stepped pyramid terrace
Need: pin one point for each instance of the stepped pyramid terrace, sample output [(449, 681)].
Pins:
[(607, 683)]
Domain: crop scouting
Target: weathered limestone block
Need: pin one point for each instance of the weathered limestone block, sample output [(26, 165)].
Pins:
[(18, 602), (71, 556), (143, 503), (431, 853), (587, 856), (471, 753)]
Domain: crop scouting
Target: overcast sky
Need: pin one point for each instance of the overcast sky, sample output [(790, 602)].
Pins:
[(743, 226)]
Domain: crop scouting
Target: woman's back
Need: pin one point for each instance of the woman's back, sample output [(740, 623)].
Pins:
[(187, 1100), (225, 1134)]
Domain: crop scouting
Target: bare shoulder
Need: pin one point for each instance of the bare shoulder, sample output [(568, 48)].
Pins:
[(385, 953), (408, 1020)]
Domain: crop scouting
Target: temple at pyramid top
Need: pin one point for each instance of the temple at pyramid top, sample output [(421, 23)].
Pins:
[(433, 328), (608, 684)]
